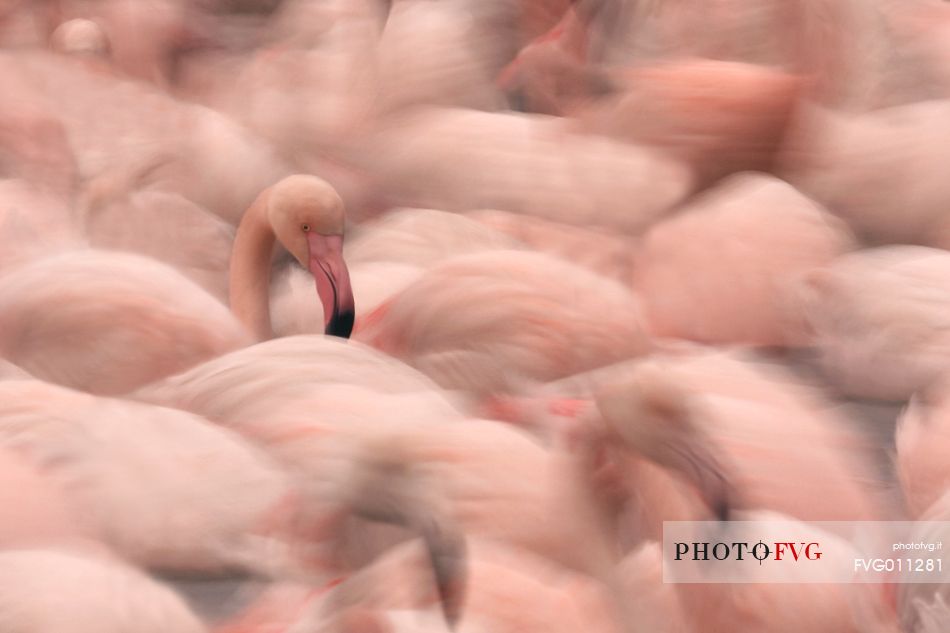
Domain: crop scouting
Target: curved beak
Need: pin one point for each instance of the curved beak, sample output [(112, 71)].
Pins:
[(333, 283)]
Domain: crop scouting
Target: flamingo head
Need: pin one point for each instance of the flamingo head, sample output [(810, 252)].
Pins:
[(307, 216), (655, 417)]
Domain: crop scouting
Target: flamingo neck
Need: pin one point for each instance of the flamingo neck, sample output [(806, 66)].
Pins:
[(249, 278)]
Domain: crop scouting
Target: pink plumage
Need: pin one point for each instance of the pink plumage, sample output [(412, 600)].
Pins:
[(744, 244), (515, 317), (109, 322), (161, 487), (74, 592)]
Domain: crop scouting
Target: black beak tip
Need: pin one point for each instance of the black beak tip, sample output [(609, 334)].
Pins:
[(341, 324)]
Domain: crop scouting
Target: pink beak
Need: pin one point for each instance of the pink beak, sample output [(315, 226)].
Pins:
[(333, 283)]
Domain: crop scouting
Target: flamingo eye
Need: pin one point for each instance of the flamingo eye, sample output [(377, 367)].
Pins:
[(305, 227)]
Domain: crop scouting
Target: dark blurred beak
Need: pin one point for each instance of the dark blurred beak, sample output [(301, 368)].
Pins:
[(333, 283)]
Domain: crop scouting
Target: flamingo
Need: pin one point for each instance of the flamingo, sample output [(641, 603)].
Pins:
[(699, 96), (722, 451), (491, 321), (163, 323), (129, 473), (243, 385), (306, 215), (794, 236), (361, 60), (648, 412), (160, 487), (876, 319), (718, 117), (110, 122), (464, 160), (369, 403), (750, 237), (311, 402), (739, 414), (791, 238), (834, 612), (875, 170), (866, 139), (208, 436), (109, 322)]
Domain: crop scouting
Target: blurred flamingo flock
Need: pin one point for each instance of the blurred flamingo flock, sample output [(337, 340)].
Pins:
[(408, 316)]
